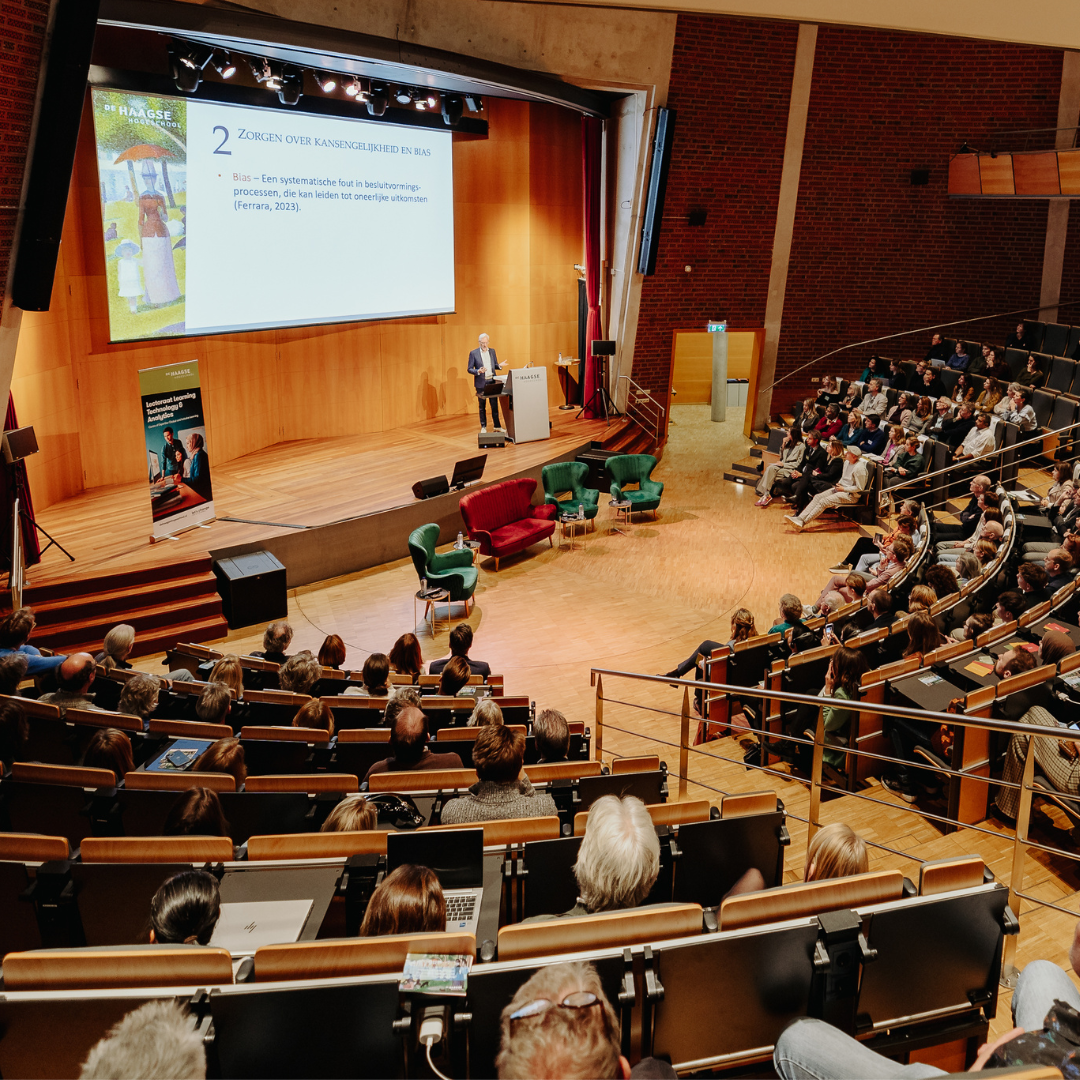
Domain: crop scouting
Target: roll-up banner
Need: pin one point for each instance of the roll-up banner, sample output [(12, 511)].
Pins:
[(178, 467)]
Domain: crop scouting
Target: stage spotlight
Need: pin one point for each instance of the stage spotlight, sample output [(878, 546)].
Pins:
[(452, 108), (378, 99), (224, 66), (352, 89), (266, 74), (475, 102), (403, 95), (186, 63), (326, 82), (291, 89)]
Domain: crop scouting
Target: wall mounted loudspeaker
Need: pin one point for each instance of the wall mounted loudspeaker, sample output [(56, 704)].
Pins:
[(436, 485), (496, 438), (19, 443), (603, 348)]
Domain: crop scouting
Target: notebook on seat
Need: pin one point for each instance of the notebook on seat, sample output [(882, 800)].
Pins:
[(457, 858)]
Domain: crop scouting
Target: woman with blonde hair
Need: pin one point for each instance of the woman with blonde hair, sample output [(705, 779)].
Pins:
[(895, 444), (742, 626), (922, 598), (835, 851), (922, 417), (353, 814), (990, 396), (228, 671)]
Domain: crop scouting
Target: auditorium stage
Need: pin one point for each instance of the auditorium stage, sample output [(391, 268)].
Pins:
[(325, 506)]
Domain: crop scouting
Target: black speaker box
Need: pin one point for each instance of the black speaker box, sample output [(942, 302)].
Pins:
[(595, 458), (435, 485), (252, 588), (496, 438), (603, 348)]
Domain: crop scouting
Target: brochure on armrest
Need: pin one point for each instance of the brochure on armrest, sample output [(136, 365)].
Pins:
[(243, 928), (180, 755), (432, 973)]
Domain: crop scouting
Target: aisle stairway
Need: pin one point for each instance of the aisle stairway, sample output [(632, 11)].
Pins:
[(164, 604)]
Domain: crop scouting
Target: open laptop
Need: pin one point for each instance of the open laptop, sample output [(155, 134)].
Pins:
[(457, 857)]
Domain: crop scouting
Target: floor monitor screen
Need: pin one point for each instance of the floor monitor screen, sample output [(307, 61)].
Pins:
[(220, 218)]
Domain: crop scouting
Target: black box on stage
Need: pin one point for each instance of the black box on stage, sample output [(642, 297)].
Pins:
[(435, 485), (252, 588), (495, 438), (595, 457)]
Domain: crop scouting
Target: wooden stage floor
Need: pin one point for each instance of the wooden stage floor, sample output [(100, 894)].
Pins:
[(285, 487)]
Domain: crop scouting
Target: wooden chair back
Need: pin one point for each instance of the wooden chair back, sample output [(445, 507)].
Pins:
[(944, 875), (509, 830), (364, 734), (336, 958), (980, 698), (810, 898), (576, 727), (31, 707), (284, 734), (100, 719), (156, 849), (107, 969), (612, 928), (672, 813), (1069, 663), (394, 679), (277, 697), (320, 845), (422, 780), (1025, 679), (996, 633), (66, 775), (190, 729), (257, 663), (562, 770), (355, 701), (904, 666), (808, 657), (32, 847), (756, 642), (944, 653), (312, 783), (748, 804), (645, 763), (867, 637), (204, 652), (468, 734), (1039, 611), (140, 780)]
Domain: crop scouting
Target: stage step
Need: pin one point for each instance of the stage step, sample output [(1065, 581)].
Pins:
[(81, 586), (630, 438), (164, 638)]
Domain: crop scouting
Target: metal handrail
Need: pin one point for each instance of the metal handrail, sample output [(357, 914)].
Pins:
[(657, 419)]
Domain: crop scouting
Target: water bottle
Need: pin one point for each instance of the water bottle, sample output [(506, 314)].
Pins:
[(423, 585), (460, 542), (581, 511), (560, 358)]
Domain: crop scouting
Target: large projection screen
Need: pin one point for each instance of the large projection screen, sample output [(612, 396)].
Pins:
[(220, 218)]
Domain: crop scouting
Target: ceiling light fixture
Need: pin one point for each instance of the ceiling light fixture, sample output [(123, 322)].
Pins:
[(325, 81)]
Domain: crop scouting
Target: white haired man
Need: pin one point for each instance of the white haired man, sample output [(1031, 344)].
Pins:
[(157, 1041), (852, 483), (483, 363)]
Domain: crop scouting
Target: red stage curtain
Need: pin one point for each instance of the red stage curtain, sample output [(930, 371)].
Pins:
[(592, 129), (9, 476)]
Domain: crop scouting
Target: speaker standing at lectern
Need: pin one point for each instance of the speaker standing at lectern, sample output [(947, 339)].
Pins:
[(482, 367)]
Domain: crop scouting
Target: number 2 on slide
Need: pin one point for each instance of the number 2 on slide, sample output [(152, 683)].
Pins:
[(224, 139)]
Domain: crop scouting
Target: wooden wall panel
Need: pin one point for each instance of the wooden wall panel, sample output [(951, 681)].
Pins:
[(517, 235)]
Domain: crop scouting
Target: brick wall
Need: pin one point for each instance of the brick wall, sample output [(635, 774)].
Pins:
[(22, 30), (871, 254)]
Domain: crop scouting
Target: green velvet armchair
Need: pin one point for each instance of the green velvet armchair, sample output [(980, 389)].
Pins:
[(634, 469), (569, 476), (453, 570)]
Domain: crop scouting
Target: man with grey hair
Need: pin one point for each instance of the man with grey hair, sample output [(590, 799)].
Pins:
[(483, 364), (852, 483), (275, 641), (75, 677), (300, 673), (619, 859), (156, 1042), (401, 697), (487, 711)]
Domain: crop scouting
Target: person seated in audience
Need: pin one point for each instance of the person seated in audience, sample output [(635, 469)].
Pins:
[(332, 652), (15, 630), (401, 697), (923, 635), (852, 397), (989, 397), (835, 851), (959, 359), (375, 675), (561, 1026), (874, 401), (461, 639), (978, 359), (406, 657), (139, 697), (921, 598), (872, 370), (871, 439), (185, 909), (1020, 411), (822, 474), (1031, 579), (214, 704), (830, 604), (842, 682), (892, 559), (116, 648), (1033, 375), (866, 551), (455, 677), (879, 604), (986, 551), (943, 580), (196, 812), (902, 411), (315, 714), (504, 791), (807, 417), (996, 368), (973, 626), (988, 527), (486, 711), (895, 377), (409, 900), (828, 394), (353, 814), (158, 1040), (12, 672), (922, 416), (963, 391), (14, 733), (75, 676), (1005, 405), (979, 440), (854, 587), (938, 352), (1056, 759), (742, 629), (1009, 607), (815, 458), (942, 415), (895, 441), (408, 741), (109, 748), (792, 452), (848, 490), (228, 671), (300, 673), (1020, 338), (224, 756), (932, 386), (552, 735), (982, 496), (1058, 564), (276, 640), (967, 566), (1054, 647), (852, 427), (829, 424)]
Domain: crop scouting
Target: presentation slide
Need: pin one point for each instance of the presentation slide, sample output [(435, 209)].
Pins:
[(220, 218)]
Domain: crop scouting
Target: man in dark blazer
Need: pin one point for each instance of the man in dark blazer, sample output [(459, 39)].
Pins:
[(482, 367)]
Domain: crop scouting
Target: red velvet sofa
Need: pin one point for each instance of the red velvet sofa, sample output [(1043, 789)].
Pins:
[(504, 520)]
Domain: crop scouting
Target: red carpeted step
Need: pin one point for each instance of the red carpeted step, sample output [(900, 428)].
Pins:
[(164, 638), (82, 586)]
